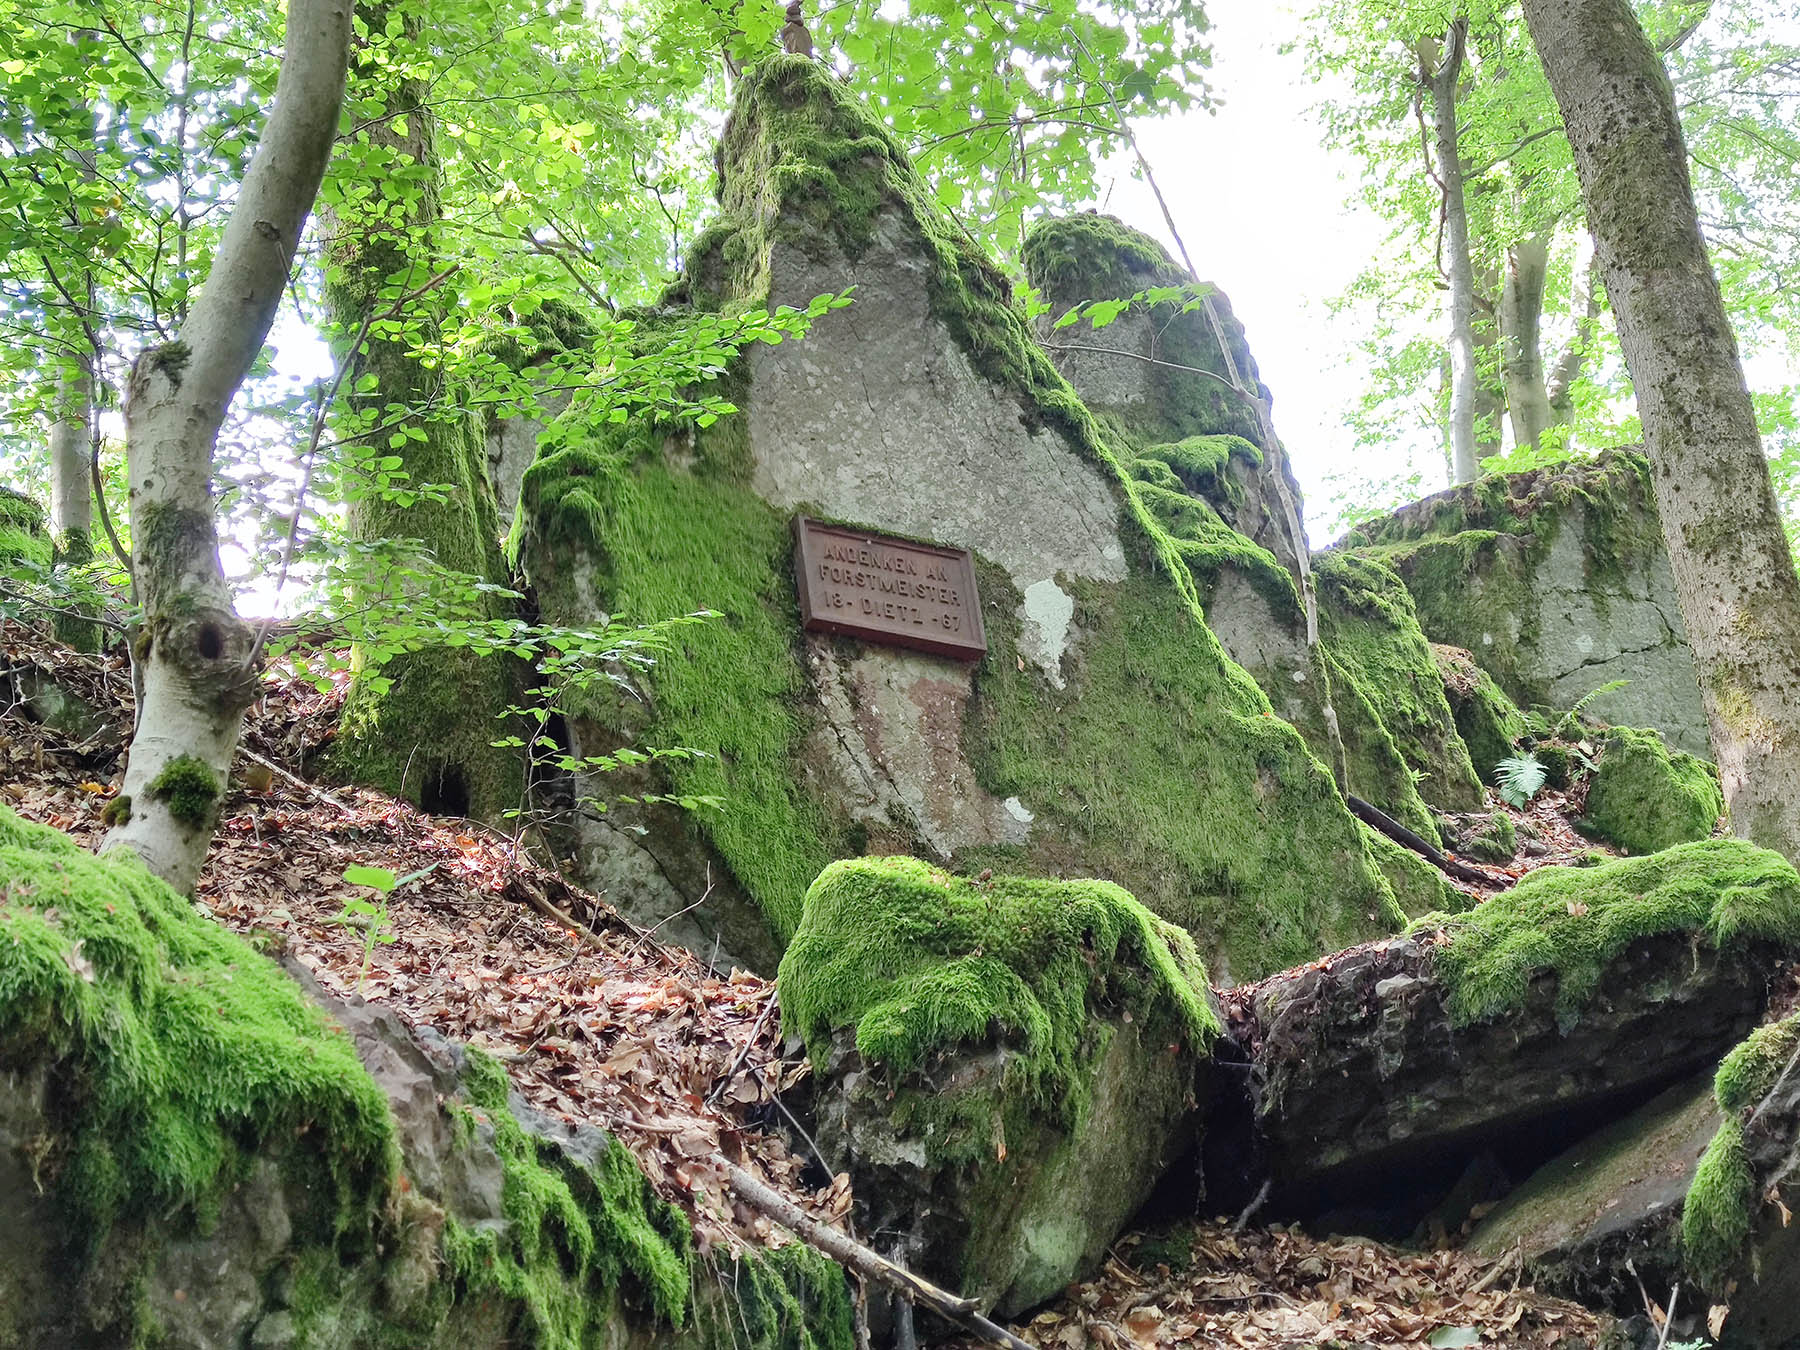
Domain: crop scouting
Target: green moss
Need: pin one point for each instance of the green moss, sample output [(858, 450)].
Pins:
[(919, 961), (1368, 626), (1162, 758), (1161, 767), (1495, 839), (189, 788), (24, 539), (1202, 464), (1487, 720), (1572, 922), (790, 1298), (117, 811), (1079, 258), (575, 1236), (1419, 888), (1643, 797), (657, 540), (1721, 1201), (179, 1053), (1716, 1216)]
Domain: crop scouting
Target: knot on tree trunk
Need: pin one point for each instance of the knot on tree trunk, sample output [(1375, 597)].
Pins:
[(209, 649)]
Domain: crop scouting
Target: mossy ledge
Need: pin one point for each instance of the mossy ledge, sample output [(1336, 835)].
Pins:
[(920, 962), (1573, 921), (176, 1052)]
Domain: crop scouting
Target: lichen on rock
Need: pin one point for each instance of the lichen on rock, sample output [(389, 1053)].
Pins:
[(1643, 797)]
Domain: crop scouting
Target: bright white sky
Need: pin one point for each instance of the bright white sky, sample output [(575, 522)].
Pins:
[(1265, 216)]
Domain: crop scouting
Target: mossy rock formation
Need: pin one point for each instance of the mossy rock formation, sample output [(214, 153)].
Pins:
[(1556, 581), (1643, 797), (1696, 1187), (24, 535), (1578, 987), (193, 1154), (1105, 733), (1007, 1065), (1159, 382)]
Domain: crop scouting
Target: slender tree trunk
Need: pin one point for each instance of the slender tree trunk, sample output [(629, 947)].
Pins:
[(71, 493), (194, 653), (426, 732), (71, 486), (1733, 572), (1441, 80), (1521, 339), (1560, 388), (1490, 385)]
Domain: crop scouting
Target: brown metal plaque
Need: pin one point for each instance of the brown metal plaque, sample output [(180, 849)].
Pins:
[(889, 590)]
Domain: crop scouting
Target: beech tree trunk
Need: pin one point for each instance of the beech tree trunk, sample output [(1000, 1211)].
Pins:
[(426, 731), (1521, 339), (194, 655), (71, 488), (1733, 572), (1560, 387), (1441, 80)]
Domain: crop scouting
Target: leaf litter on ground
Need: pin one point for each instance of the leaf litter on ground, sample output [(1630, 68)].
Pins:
[(614, 1029)]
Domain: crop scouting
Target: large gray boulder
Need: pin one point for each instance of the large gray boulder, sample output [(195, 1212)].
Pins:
[(1104, 732), (1557, 582)]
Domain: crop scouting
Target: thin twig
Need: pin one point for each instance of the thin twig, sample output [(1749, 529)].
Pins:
[(852, 1255), (1256, 1202)]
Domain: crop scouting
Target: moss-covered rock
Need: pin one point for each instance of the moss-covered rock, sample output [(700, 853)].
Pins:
[(1419, 888), (1157, 380), (1557, 582), (1578, 989), (192, 1153), (24, 536), (1105, 733), (1488, 721), (1008, 1062), (1573, 921), (1644, 798), (1367, 624)]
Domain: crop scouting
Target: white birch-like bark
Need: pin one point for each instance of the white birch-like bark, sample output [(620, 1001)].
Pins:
[(1734, 575), (1521, 339), (1440, 80), (71, 480), (193, 652)]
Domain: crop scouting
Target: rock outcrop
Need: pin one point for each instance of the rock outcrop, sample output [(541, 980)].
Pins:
[(1007, 1067), (193, 1156), (1553, 1001), (1104, 733), (1556, 581), (1173, 385), (1693, 1189)]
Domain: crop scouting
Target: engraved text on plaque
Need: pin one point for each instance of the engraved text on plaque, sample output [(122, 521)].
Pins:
[(883, 589)]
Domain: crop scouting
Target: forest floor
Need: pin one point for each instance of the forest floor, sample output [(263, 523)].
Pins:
[(599, 1022)]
